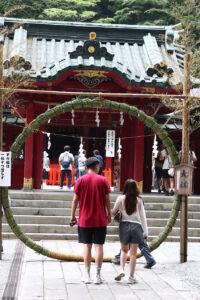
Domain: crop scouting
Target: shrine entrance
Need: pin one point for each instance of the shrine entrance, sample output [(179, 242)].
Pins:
[(78, 103)]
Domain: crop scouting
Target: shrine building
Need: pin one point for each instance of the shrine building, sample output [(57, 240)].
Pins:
[(89, 57)]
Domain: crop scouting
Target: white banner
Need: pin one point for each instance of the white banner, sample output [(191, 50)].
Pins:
[(110, 143), (5, 168)]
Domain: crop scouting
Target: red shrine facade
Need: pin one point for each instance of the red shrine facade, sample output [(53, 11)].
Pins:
[(84, 57)]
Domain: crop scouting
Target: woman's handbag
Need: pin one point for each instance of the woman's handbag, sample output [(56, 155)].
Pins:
[(118, 214), (171, 172)]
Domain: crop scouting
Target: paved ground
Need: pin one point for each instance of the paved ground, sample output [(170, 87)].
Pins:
[(26, 275)]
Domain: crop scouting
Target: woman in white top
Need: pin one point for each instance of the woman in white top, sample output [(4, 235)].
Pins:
[(133, 227)]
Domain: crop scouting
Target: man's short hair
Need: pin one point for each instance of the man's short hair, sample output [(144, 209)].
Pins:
[(91, 162), (67, 148), (96, 152)]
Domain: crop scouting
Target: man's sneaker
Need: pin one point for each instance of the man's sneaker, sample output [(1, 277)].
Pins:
[(120, 276), (150, 265), (98, 279), (86, 278), (132, 280), (171, 193), (116, 261)]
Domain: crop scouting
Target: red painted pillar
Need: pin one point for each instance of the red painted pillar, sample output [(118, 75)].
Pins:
[(127, 158), (147, 166), (29, 149), (85, 132), (9, 137), (38, 150), (139, 153)]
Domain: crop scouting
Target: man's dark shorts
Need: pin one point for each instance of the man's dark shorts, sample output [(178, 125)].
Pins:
[(165, 173), (90, 235), (158, 172)]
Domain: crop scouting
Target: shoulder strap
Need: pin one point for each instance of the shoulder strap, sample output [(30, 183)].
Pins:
[(120, 204)]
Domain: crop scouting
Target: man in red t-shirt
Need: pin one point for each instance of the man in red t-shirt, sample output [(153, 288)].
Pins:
[(91, 192)]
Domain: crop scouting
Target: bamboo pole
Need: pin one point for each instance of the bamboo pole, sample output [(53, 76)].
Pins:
[(185, 149), (95, 94), (1, 135)]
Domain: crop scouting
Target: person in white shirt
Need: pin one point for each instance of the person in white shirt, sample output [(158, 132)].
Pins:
[(191, 157), (133, 227), (82, 164), (66, 160), (165, 169)]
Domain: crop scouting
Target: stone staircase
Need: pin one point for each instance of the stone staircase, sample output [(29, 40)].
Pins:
[(46, 215)]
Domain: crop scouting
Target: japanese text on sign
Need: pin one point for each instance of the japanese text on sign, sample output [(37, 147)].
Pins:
[(110, 143), (184, 176), (183, 179), (5, 168)]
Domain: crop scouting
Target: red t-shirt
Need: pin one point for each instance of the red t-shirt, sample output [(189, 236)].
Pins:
[(92, 190)]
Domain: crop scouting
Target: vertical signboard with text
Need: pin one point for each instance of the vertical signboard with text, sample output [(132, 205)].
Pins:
[(110, 143), (5, 168)]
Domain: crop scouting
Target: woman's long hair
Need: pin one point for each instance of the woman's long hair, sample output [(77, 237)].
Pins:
[(131, 193)]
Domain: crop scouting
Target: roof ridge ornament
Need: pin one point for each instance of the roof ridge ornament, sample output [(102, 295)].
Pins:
[(92, 48), (93, 36)]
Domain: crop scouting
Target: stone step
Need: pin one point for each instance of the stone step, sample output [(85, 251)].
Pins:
[(50, 236), (42, 204), (165, 214), (44, 228), (66, 212), (46, 215), (32, 207), (68, 204), (43, 195), (65, 220), (41, 211), (64, 196), (47, 228)]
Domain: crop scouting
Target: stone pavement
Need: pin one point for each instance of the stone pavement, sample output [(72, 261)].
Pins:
[(26, 275)]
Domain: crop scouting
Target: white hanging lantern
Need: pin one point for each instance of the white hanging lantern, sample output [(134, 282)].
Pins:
[(49, 143), (73, 115), (155, 147), (47, 110), (97, 120), (119, 149), (121, 118), (81, 147)]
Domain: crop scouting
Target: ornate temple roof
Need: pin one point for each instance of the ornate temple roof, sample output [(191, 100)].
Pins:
[(141, 55)]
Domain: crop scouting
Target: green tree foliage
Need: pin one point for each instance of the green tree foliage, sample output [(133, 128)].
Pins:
[(143, 12), (104, 11), (187, 12), (32, 9), (70, 10)]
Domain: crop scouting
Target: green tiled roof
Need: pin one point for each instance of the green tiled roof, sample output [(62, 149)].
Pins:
[(141, 55)]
